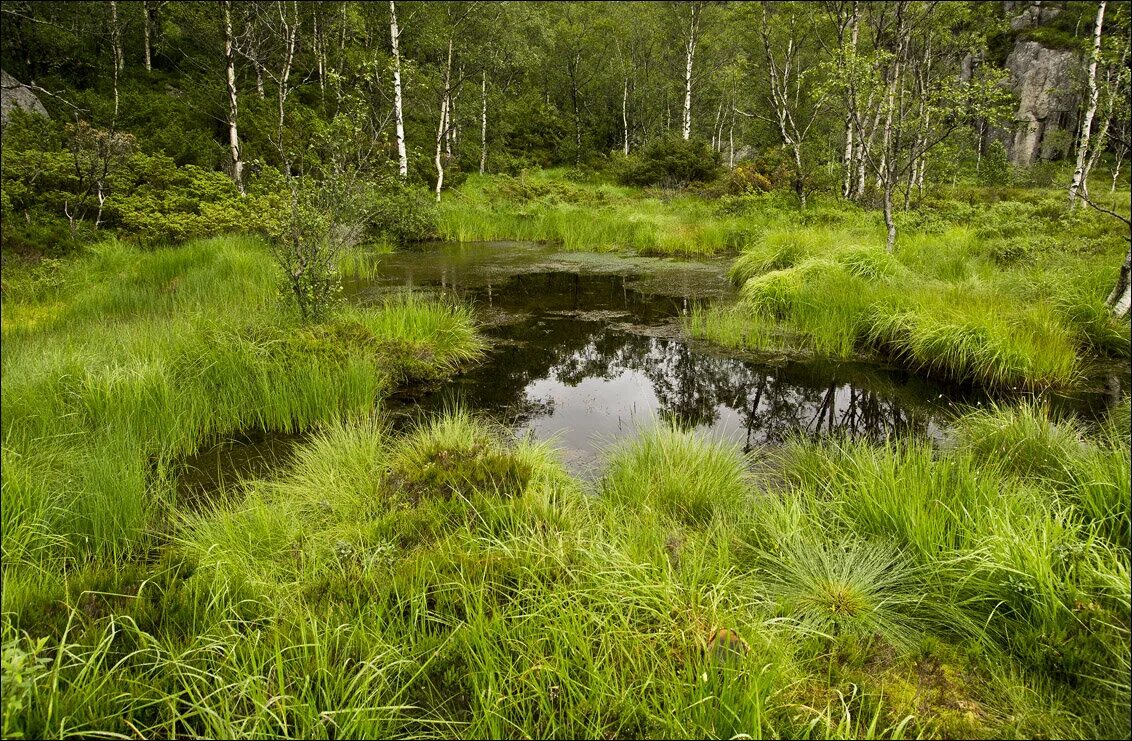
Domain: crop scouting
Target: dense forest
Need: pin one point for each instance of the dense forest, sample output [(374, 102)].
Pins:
[(566, 369)]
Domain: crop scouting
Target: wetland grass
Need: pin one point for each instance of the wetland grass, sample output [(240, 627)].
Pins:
[(451, 581)]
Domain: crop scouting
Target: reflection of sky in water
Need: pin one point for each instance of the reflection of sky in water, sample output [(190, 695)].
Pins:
[(585, 349)]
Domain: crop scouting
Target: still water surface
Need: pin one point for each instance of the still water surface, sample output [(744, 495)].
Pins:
[(584, 349)]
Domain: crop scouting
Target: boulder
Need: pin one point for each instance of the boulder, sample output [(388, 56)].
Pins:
[(14, 94)]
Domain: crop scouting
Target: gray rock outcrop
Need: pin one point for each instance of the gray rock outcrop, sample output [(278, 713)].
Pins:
[(14, 94), (1043, 79)]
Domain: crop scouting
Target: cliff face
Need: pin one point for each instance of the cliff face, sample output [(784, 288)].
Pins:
[(1043, 79), (14, 94)]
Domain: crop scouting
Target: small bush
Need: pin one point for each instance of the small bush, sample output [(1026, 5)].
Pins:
[(672, 162)]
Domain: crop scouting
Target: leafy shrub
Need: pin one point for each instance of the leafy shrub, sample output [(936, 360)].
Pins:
[(400, 213), (995, 167), (672, 161), (746, 178)]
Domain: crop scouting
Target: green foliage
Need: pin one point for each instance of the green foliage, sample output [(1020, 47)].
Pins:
[(995, 167), (677, 473), (671, 162), (399, 213), (21, 669)]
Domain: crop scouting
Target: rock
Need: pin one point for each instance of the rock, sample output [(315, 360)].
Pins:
[(1043, 79), (1029, 14), (14, 94)]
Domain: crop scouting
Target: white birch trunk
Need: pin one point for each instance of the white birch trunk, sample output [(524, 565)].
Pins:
[(230, 71), (116, 36), (1121, 298), (116, 48), (146, 22), (731, 143), (394, 35), (886, 171), (690, 56), (483, 126), (439, 143), (442, 130), (625, 115), (847, 185), (1090, 110)]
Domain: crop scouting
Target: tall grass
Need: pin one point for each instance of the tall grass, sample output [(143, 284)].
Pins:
[(941, 305), (151, 355), (452, 581)]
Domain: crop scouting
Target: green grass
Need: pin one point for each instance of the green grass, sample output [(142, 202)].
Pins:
[(134, 359), (947, 303), (546, 207), (451, 581)]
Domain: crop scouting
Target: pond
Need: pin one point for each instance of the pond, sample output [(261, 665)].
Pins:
[(586, 348)]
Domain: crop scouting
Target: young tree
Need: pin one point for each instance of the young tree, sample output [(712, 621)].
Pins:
[(694, 10), (398, 110), (793, 101), (1090, 108), (233, 107)]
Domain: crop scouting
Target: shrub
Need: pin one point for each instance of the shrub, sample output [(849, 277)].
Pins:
[(400, 213), (746, 178), (672, 161), (995, 167)]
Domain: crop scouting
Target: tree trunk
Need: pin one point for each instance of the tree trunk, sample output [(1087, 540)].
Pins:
[(799, 180), (439, 142), (483, 128), (690, 55), (320, 56), (577, 113), (116, 36), (290, 31), (442, 131), (230, 71), (716, 144), (394, 35), (886, 173), (1118, 160), (147, 21), (847, 185), (1121, 299), (116, 50), (731, 143), (625, 115), (1090, 110)]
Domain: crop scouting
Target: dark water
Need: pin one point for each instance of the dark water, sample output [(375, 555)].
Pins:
[(585, 349), (219, 467)]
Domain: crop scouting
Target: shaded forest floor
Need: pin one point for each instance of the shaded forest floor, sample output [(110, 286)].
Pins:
[(453, 581)]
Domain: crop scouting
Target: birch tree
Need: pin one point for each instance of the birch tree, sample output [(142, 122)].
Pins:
[(398, 110), (483, 123), (442, 130), (794, 104), (233, 107), (1090, 108), (694, 10)]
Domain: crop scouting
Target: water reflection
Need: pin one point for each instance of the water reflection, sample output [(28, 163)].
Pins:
[(586, 356)]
